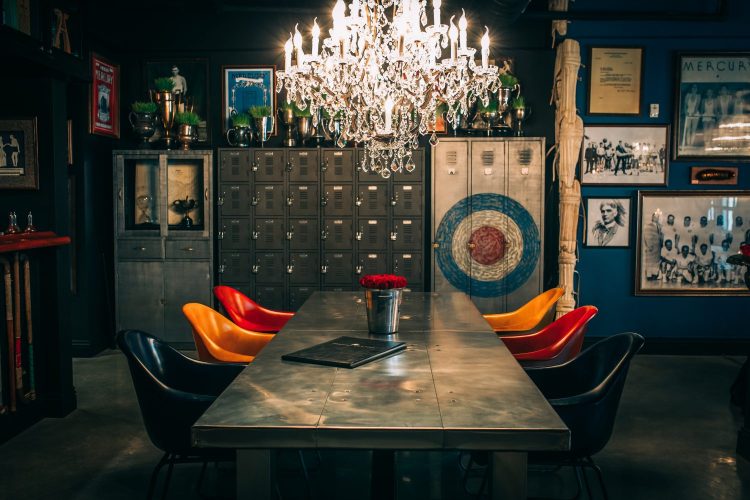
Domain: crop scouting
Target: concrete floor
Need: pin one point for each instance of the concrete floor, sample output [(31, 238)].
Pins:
[(674, 439)]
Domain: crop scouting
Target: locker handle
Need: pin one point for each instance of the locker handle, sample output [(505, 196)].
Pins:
[(324, 235), (255, 235), (358, 201), (358, 235), (188, 249), (220, 201), (289, 166), (323, 269), (255, 269), (255, 166), (162, 301), (255, 199), (119, 193), (324, 201), (394, 200), (289, 200), (140, 249), (394, 235), (358, 270), (290, 269), (205, 193), (324, 166)]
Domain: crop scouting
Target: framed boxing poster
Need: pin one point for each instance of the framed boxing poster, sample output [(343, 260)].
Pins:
[(685, 239), (104, 104)]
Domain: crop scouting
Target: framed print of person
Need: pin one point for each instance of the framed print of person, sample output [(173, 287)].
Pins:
[(712, 106), (625, 155), (607, 222), (685, 239), (190, 77), (244, 87), (104, 115), (18, 154)]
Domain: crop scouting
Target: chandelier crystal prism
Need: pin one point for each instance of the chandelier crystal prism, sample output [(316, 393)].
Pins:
[(380, 76)]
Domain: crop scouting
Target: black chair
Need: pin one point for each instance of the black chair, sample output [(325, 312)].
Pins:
[(586, 392), (173, 392)]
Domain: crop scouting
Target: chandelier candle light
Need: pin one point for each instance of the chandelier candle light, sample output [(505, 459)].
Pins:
[(382, 74)]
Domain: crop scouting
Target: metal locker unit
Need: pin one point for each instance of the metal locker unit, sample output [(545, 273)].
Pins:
[(302, 200), (337, 200), (487, 219), (235, 234), (337, 268), (269, 199), (372, 199), (269, 267), (234, 166), (408, 265), (372, 234), (269, 234), (269, 165), (234, 199), (235, 267), (371, 263), (303, 234), (407, 200), (406, 234), (271, 296), (338, 165), (304, 165), (304, 268), (337, 234), (299, 294)]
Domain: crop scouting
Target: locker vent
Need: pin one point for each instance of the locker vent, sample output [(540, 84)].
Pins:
[(235, 229), (235, 197), (338, 165), (235, 163), (488, 158), (452, 157), (268, 164), (269, 198), (304, 202), (525, 156)]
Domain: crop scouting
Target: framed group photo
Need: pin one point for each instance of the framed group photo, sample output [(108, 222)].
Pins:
[(607, 222), (244, 87), (104, 107), (18, 154), (685, 239), (191, 81), (712, 106), (615, 80), (625, 155)]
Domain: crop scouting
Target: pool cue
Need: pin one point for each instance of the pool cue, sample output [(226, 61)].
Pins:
[(17, 321), (9, 332), (29, 335)]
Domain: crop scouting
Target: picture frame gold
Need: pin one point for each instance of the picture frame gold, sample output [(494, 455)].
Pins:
[(19, 165), (615, 80)]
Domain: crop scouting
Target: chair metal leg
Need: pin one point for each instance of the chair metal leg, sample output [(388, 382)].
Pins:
[(155, 476), (599, 476), (168, 478), (586, 482)]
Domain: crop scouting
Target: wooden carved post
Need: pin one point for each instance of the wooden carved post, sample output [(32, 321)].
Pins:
[(569, 136)]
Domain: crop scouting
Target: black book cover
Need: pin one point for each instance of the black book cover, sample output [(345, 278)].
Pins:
[(345, 352)]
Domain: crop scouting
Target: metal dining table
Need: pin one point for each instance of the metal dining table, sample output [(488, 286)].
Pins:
[(455, 387)]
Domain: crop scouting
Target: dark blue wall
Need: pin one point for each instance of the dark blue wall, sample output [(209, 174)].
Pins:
[(607, 276)]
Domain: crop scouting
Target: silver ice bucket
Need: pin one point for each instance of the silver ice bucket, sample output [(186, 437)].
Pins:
[(382, 310)]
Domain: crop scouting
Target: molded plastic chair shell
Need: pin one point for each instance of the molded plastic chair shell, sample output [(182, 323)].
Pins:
[(530, 317), (556, 343), (219, 340), (586, 392), (248, 314)]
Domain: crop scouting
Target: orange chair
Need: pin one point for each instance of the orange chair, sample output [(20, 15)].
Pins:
[(247, 314), (530, 317), (219, 340), (556, 343)]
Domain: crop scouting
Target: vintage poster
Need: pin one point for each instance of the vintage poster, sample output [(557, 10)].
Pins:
[(105, 105), (615, 80)]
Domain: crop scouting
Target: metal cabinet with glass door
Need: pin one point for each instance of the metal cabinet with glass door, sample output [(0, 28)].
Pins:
[(163, 239)]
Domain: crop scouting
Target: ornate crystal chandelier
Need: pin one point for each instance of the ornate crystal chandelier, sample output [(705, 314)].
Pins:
[(380, 76)]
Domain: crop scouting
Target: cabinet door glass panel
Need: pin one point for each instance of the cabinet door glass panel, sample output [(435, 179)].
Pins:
[(140, 195), (187, 194)]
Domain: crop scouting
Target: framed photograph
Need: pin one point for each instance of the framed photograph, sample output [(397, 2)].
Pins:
[(104, 105), (712, 106), (607, 222), (615, 80), (191, 80), (726, 176), (685, 239), (244, 87), (625, 155), (18, 154)]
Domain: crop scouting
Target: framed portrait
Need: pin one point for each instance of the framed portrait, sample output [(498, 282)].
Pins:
[(191, 80), (244, 87), (615, 80), (18, 154), (625, 155), (607, 222), (712, 106), (685, 239), (104, 105)]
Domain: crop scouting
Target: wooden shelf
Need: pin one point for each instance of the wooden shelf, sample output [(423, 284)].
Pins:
[(22, 47)]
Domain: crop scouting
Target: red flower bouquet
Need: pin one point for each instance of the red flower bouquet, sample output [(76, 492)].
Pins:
[(382, 281)]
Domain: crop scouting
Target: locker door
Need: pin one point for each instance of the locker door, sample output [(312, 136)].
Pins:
[(234, 199), (303, 234), (408, 265), (235, 266), (407, 199), (407, 234), (298, 295), (338, 165), (450, 185), (269, 234), (372, 234), (234, 166), (304, 165), (271, 297), (337, 234), (371, 263), (372, 200), (235, 234), (269, 267), (337, 200), (337, 268), (269, 199), (303, 199), (269, 165), (303, 267)]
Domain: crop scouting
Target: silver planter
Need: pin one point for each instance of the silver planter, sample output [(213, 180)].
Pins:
[(383, 310), (240, 136), (263, 128), (304, 128), (187, 134), (143, 126)]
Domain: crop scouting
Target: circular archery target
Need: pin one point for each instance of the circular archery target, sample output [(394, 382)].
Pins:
[(489, 245)]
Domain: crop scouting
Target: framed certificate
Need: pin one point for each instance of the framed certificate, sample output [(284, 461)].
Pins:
[(615, 80)]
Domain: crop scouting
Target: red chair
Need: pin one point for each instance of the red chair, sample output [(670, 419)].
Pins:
[(556, 343), (247, 314)]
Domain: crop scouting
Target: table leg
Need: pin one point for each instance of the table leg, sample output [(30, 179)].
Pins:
[(383, 475), (254, 478), (509, 476)]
